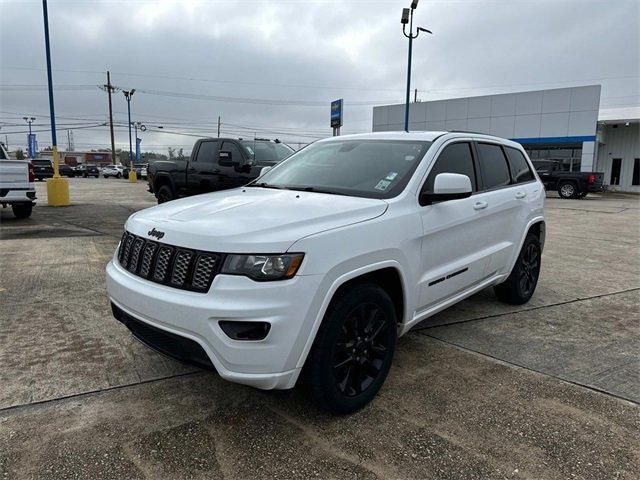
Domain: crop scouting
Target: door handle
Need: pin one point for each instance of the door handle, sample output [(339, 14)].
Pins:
[(480, 205), (521, 194)]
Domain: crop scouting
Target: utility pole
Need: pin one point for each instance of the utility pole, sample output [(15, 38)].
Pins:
[(128, 94), (218, 126), (110, 89)]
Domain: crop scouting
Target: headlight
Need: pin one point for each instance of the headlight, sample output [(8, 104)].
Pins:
[(263, 267)]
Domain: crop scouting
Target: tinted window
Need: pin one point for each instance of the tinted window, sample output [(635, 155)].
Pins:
[(266, 152), (206, 152), (495, 171), (362, 168), (455, 158), (519, 167), (2, 156), (233, 148)]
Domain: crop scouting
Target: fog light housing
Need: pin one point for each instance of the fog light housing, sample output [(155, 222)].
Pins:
[(245, 330)]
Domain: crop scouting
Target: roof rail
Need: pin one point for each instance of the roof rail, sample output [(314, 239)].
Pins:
[(470, 131)]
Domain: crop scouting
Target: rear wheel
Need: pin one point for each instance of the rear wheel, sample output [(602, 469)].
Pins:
[(105, 176), (165, 194), (22, 210), (353, 349), (583, 194), (118, 175), (521, 283), (567, 190)]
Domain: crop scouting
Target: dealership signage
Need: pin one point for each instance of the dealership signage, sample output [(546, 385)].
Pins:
[(336, 116), (33, 145)]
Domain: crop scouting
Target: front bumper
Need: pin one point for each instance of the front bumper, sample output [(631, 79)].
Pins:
[(269, 363)]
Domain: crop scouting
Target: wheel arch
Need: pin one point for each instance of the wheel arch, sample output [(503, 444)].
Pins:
[(387, 274), (537, 226), (162, 179)]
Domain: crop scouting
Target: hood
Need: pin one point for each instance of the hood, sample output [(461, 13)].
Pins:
[(251, 220)]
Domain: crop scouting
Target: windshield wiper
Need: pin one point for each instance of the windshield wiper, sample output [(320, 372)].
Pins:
[(266, 185), (302, 188)]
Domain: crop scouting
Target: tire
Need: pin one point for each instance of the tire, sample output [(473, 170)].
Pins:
[(346, 368), (583, 194), (118, 175), (165, 194), (105, 176), (521, 283), (22, 210), (567, 190)]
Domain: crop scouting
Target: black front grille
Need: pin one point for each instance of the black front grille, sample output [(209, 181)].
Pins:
[(176, 267)]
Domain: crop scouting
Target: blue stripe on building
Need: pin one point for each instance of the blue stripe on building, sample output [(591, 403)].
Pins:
[(578, 139)]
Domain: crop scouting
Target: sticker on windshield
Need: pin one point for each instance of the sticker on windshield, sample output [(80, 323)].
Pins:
[(382, 185), (391, 175), (409, 158)]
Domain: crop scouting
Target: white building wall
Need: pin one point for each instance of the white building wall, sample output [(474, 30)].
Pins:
[(622, 142), (568, 114)]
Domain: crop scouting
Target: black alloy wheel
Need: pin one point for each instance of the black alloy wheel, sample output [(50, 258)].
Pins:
[(529, 269), (361, 348), (353, 349)]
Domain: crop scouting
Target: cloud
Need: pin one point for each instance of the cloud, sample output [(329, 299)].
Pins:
[(314, 51)]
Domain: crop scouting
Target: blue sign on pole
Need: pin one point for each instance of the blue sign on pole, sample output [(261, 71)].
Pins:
[(336, 113), (32, 145), (138, 141)]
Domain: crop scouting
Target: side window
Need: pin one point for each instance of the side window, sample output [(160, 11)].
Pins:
[(520, 170), (236, 154), (456, 158), (206, 152), (493, 164)]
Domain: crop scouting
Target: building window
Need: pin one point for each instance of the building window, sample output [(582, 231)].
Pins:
[(616, 163), (635, 179)]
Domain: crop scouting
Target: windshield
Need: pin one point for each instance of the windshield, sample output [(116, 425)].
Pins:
[(361, 168), (263, 151)]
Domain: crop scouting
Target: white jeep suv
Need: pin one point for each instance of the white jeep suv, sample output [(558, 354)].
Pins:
[(322, 262)]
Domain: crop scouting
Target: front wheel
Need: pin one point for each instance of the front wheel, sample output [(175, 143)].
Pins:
[(118, 175), (521, 283), (165, 194), (353, 349), (105, 176), (22, 210)]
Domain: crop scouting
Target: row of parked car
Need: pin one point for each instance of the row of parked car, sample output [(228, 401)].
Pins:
[(43, 168)]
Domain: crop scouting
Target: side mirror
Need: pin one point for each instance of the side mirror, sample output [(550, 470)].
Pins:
[(225, 158), (264, 170), (447, 186)]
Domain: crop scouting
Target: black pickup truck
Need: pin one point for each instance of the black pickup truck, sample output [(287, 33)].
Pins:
[(214, 164), (568, 184)]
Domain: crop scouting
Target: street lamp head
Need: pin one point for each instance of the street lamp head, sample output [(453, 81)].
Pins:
[(26, 119), (33, 119), (132, 91), (414, 4), (405, 16), (420, 29)]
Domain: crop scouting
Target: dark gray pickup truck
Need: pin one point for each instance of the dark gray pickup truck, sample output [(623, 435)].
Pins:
[(214, 164), (568, 184)]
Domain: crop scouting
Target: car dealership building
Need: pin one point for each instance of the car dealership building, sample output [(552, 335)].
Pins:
[(564, 125)]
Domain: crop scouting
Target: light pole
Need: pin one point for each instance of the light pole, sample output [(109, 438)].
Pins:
[(57, 187), (128, 94), (29, 120), (407, 17)]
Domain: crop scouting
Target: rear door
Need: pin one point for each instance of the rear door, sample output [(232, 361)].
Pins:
[(501, 204), (454, 242), (203, 171)]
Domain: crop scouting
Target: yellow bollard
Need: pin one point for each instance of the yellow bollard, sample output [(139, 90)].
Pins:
[(133, 178), (57, 187)]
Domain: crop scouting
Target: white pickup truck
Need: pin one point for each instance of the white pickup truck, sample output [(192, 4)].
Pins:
[(17, 187)]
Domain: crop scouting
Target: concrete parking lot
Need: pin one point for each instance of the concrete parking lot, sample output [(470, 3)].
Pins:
[(483, 390)]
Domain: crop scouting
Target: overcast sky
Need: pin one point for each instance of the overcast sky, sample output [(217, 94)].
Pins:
[(270, 68)]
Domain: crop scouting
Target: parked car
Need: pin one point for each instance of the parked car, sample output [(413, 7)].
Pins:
[(113, 171), (66, 170), (568, 184), (87, 171), (215, 164), (17, 185), (143, 172), (42, 168), (320, 263)]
